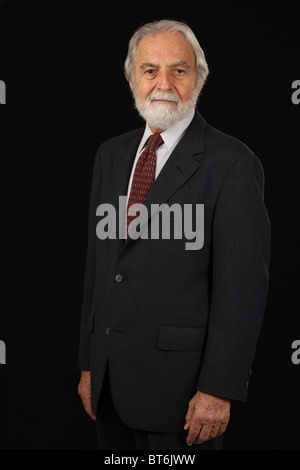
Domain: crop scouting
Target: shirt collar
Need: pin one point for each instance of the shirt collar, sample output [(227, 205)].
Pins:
[(171, 136)]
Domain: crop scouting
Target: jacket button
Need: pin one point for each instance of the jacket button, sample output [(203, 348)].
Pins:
[(118, 278), (107, 331)]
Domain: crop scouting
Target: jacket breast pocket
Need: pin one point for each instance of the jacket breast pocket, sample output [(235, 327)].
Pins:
[(179, 338)]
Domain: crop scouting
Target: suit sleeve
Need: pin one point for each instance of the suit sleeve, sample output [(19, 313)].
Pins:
[(241, 250), (83, 362)]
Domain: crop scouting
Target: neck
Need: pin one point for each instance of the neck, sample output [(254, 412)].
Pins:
[(155, 130)]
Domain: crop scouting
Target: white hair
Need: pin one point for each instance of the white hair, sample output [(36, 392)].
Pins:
[(150, 29)]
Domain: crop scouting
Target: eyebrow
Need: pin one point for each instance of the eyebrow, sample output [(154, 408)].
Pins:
[(182, 63), (147, 64)]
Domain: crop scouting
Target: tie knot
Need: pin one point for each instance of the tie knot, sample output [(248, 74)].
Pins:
[(155, 141)]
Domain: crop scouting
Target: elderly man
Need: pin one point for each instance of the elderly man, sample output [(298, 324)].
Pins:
[(168, 333)]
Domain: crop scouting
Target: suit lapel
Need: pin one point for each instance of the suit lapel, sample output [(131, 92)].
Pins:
[(180, 166)]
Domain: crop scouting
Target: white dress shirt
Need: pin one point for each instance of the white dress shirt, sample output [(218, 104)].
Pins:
[(170, 136)]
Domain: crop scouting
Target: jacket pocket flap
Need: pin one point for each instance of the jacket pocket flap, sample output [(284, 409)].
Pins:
[(178, 338)]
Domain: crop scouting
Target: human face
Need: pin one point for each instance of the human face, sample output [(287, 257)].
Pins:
[(165, 79)]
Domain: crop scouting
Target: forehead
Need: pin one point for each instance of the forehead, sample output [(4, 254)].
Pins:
[(165, 47)]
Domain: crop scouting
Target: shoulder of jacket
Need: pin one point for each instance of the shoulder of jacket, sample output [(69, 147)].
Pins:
[(230, 153), (229, 150), (224, 142)]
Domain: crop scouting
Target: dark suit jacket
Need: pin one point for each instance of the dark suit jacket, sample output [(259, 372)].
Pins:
[(176, 320)]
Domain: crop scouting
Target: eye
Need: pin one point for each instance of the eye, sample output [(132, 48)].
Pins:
[(180, 71), (150, 71)]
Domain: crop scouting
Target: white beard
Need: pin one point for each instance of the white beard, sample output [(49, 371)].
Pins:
[(164, 115)]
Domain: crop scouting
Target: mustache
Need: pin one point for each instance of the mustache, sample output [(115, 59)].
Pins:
[(162, 95)]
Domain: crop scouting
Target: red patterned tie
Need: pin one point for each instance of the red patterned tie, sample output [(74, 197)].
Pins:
[(144, 175)]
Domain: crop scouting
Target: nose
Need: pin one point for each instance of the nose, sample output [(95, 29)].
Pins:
[(164, 82)]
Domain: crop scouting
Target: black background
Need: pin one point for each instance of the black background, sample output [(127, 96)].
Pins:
[(62, 63)]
